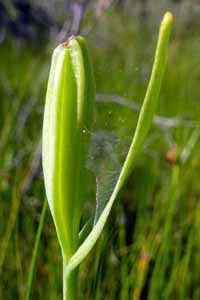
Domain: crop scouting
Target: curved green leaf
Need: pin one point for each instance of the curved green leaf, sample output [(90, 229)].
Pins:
[(143, 125)]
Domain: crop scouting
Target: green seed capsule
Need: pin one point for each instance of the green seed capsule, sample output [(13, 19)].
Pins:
[(67, 121)]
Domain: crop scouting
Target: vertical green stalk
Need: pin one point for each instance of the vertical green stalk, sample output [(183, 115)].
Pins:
[(35, 251)]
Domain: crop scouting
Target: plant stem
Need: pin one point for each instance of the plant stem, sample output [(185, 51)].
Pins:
[(69, 283)]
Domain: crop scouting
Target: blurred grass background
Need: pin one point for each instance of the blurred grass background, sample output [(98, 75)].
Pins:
[(150, 248)]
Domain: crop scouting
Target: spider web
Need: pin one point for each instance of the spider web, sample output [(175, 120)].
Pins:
[(110, 141)]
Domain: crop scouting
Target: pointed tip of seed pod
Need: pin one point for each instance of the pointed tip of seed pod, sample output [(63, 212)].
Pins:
[(69, 40), (168, 18)]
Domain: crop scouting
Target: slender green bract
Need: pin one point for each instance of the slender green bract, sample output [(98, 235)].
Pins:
[(67, 119)]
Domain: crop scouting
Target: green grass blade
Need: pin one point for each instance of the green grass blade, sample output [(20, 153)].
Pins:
[(142, 128), (35, 251)]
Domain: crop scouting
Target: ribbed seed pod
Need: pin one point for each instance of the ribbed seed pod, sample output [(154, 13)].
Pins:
[(67, 121)]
